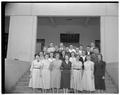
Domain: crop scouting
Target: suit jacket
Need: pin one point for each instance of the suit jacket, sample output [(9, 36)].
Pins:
[(87, 53), (82, 60)]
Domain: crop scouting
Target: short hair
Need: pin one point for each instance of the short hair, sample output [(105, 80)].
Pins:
[(47, 54), (88, 56), (96, 48), (88, 46), (57, 54), (81, 45), (101, 56), (67, 55), (36, 55)]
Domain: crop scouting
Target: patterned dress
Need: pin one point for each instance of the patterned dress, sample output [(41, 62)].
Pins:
[(46, 74), (56, 74), (72, 60)]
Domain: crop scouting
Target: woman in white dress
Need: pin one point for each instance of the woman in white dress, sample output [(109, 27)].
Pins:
[(72, 60), (76, 73), (56, 73), (51, 59), (41, 59), (46, 73), (88, 75), (35, 73)]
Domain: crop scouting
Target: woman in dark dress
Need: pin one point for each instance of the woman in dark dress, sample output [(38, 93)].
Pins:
[(99, 72), (65, 74)]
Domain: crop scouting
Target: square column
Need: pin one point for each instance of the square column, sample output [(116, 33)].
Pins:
[(109, 38), (22, 37)]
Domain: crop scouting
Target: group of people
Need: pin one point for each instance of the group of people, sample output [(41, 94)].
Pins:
[(68, 68)]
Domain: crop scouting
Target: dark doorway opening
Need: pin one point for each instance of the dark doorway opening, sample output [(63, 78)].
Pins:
[(6, 35)]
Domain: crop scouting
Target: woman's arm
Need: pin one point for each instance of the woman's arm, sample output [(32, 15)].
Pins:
[(31, 68), (92, 70), (103, 70), (61, 67)]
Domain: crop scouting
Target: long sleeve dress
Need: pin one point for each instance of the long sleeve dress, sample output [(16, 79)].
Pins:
[(72, 60), (77, 75), (65, 74), (51, 67), (88, 76), (36, 78), (46, 74), (56, 74), (99, 73)]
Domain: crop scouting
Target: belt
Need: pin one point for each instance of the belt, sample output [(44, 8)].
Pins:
[(77, 69), (66, 69), (36, 68)]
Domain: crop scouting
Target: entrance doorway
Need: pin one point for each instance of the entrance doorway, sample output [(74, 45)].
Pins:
[(50, 29), (6, 35)]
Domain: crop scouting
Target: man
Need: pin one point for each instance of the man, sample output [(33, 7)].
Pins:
[(71, 49), (61, 47), (88, 51), (51, 48), (80, 49), (92, 46)]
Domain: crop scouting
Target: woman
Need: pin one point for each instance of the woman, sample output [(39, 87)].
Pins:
[(88, 76), (65, 74), (36, 75), (45, 50), (41, 55), (72, 60), (46, 73), (83, 59), (100, 74), (51, 59), (76, 74), (56, 73), (62, 57)]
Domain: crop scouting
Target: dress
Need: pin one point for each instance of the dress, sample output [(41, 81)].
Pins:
[(77, 75), (36, 72), (72, 60), (88, 76), (46, 74), (99, 73), (56, 74), (51, 67), (65, 74)]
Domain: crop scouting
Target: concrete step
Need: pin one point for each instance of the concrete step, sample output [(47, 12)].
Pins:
[(22, 85)]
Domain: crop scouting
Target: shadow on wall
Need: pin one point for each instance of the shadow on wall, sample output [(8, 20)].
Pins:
[(113, 71), (14, 69)]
